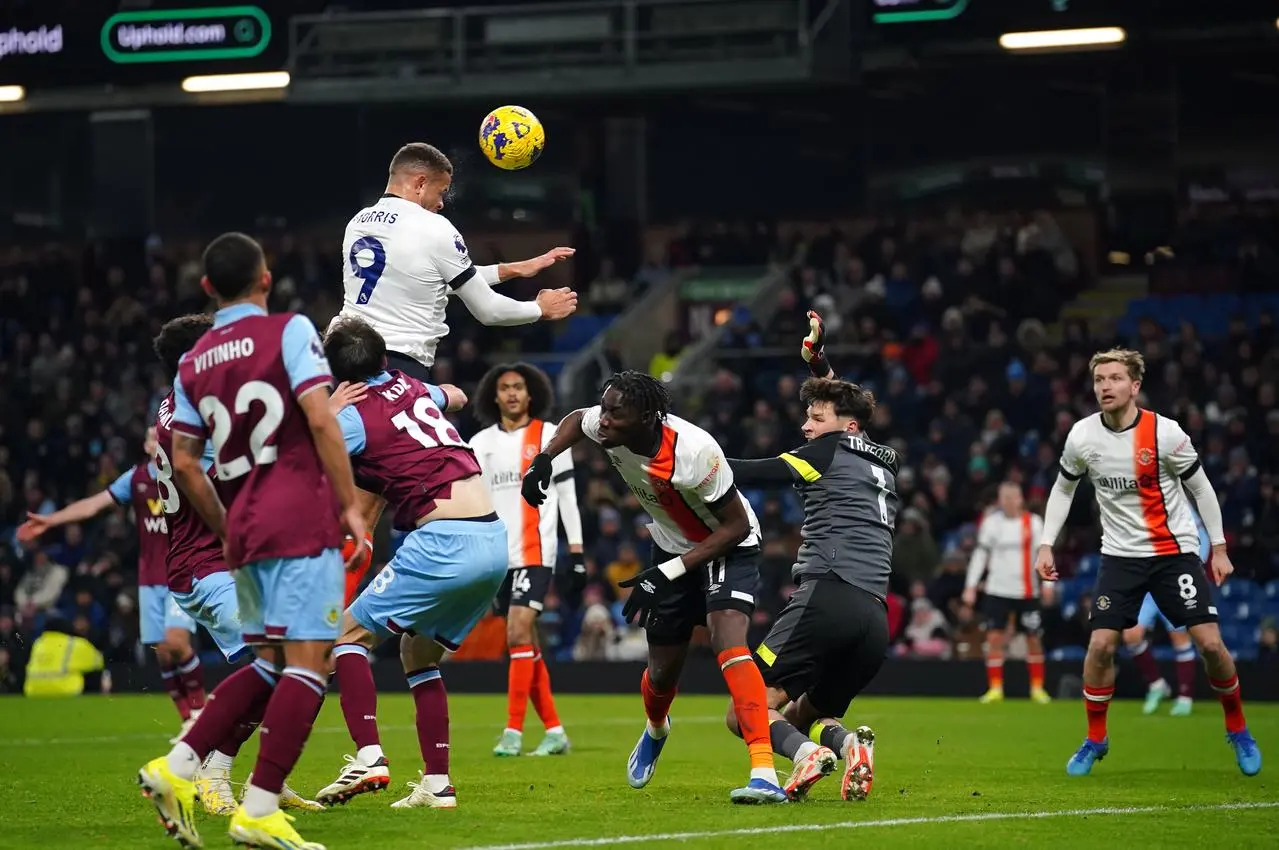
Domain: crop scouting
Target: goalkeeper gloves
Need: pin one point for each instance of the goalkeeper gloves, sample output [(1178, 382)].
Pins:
[(647, 591), (814, 348)]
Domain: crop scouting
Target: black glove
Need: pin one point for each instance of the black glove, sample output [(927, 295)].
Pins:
[(577, 573), (647, 589), (814, 348), (537, 480)]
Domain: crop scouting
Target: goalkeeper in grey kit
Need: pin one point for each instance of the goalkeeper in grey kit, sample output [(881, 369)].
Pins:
[(831, 639)]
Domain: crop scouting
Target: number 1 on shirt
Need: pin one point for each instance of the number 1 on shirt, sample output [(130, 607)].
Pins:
[(371, 273)]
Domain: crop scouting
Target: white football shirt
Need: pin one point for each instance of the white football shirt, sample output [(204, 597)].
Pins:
[(1006, 554), (1138, 474), (677, 487), (399, 264), (532, 533)]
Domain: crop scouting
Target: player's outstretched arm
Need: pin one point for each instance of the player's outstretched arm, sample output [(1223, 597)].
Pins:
[(78, 511), (502, 272), (195, 484), (814, 348), (538, 478), (803, 465), (499, 311)]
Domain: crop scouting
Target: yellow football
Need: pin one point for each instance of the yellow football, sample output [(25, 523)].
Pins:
[(512, 138)]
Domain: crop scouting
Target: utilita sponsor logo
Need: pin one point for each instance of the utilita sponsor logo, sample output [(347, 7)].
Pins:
[(18, 42)]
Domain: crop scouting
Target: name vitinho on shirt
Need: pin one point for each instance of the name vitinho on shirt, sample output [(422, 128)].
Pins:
[(236, 349)]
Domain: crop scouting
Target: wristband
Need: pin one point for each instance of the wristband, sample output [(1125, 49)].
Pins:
[(673, 569)]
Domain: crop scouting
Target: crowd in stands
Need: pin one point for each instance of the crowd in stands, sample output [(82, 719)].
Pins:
[(952, 323)]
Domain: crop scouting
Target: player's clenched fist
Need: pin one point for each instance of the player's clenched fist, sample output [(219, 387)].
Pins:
[(557, 303), (1045, 565), (537, 480)]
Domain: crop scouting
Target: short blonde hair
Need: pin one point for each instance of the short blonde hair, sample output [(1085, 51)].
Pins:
[(1132, 360)]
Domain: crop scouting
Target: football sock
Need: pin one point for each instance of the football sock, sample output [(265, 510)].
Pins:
[(787, 740), (750, 704), (1145, 661), (358, 695), (995, 673), (1231, 703), (285, 728), (1186, 669), (218, 761), (830, 735), (431, 702), (519, 683), (173, 685), (657, 705), (1035, 666), (543, 700), (1096, 702), (242, 696), (192, 675)]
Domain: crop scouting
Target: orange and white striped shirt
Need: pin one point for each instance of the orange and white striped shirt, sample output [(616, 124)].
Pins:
[(1138, 474), (1005, 554), (680, 486), (532, 533)]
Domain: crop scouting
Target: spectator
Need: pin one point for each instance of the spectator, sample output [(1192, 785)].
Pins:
[(39, 590)]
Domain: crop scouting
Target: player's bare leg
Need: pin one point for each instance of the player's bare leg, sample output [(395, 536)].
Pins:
[(1186, 656), (750, 702), (1035, 668), (367, 771), (994, 665), (811, 761), (529, 679), (1225, 681), (1099, 687), (658, 686), (421, 660)]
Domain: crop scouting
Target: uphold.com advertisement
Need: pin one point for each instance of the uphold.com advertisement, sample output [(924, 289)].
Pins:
[(98, 49)]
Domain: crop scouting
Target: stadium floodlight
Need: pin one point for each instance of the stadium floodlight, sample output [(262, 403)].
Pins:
[(236, 82), (1054, 39), (12, 94)]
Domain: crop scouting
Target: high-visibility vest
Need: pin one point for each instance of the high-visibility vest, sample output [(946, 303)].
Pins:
[(58, 664)]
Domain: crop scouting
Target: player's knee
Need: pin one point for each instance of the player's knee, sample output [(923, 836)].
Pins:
[(1102, 647), (1209, 642)]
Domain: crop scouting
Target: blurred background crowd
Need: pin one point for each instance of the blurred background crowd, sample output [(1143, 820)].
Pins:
[(955, 322), (972, 222)]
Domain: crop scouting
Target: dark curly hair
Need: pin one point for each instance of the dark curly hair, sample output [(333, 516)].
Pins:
[(178, 336), (540, 394), (848, 398), (641, 391)]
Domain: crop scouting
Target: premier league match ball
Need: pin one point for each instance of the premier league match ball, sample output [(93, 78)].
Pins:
[(512, 138)]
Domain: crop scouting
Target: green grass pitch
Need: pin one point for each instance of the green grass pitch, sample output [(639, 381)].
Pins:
[(947, 771)]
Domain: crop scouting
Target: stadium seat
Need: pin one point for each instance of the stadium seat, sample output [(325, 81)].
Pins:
[(1067, 653), (1240, 590), (578, 331), (1271, 590), (1088, 565)]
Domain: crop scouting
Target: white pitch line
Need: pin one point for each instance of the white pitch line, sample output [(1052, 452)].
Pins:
[(165, 734), (868, 824)]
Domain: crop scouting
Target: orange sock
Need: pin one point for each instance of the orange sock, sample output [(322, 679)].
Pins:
[(1096, 702), (750, 704), (995, 673), (543, 701), (1035, 665), (518, 685), (355, 574), (656, 705)]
